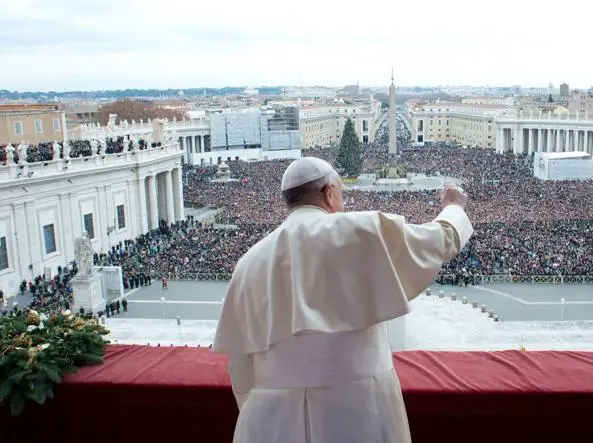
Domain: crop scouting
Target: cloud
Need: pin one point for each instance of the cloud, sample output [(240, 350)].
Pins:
[(73, 44)]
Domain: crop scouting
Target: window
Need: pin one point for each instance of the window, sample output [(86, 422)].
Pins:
[(365, 125), (18, 128), (121, 217), (49, 238), (3, 254), (88, 225), (38, 127), (56, 124)]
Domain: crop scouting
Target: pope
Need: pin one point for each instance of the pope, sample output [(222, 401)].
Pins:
[(304, 319)]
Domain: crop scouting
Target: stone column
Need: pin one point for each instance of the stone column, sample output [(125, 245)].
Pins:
[(516, 140), (178, 193), (586, 147), (142, 214), (154, 213), (498, 143), (557, 147), (540, 140), (169, 197), (549, 141), (577, 139)]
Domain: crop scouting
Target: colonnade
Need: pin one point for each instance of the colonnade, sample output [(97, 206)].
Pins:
[(161, 198), (521, 140)]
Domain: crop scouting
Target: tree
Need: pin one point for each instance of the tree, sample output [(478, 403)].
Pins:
[(129, 110), (349, 154)]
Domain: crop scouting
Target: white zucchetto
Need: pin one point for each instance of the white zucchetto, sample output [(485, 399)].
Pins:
[(304, 170)]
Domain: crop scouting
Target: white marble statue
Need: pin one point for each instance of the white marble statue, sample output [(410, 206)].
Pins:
[(66, 150), (158, 130), (9, 150), (56, 150), (21, 151), (94, 147), (135, 144), (103, 144), (83, 252)]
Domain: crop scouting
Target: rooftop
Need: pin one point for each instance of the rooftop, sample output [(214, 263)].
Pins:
[(20, 107)]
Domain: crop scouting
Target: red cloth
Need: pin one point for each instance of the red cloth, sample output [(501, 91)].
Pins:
[(183, 394)]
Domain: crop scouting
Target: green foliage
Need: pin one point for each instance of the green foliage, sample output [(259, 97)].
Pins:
[(36, 351), (349, 153)]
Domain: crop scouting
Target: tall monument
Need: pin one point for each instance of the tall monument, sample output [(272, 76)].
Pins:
[(392, 119)]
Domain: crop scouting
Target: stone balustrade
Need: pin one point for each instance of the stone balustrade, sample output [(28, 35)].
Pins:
[(24, 170), (89, 131)]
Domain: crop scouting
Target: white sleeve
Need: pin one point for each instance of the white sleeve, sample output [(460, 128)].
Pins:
[(241, 373), (418, 251)]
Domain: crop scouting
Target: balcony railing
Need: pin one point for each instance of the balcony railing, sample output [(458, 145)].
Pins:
[(24, 170), (90, 131), (482, 279)]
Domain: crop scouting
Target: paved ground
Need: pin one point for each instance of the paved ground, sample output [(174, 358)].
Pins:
[(513, 302), (532, 302), (187, 299)]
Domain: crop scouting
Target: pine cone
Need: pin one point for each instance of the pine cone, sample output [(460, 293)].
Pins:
[(33, 318)]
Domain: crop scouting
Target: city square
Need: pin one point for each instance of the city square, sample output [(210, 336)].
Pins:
[(256, 223)]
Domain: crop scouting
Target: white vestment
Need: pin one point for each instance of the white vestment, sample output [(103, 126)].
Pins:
[(304, 326)]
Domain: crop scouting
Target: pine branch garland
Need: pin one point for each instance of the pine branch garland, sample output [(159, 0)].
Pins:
[(37, 351)]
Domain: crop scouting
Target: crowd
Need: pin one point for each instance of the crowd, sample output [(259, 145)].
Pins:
[(48, 295), (43, 152), (523, 226), (184, 247)]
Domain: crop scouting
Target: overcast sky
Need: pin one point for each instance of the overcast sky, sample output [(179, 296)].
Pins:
[(117, 44)]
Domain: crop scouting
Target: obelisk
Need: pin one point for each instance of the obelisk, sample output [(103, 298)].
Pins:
[(392, 119)]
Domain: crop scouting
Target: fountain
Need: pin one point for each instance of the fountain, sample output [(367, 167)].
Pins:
[(223, 174)]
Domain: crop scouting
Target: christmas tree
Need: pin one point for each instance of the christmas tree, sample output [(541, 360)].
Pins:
[(350, 154)]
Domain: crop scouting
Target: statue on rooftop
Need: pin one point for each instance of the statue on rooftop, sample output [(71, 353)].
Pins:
[(56, 150), (9, 150), (66, 150), (94, 147), (158, 130), (21, 151)]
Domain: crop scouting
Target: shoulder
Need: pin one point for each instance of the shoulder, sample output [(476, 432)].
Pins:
[(364, 221)]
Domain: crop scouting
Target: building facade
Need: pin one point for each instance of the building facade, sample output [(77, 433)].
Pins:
[(580, 103), (460, 123), (531, 132), (113, 197), (249, 134), (323, 125), (32, 123)]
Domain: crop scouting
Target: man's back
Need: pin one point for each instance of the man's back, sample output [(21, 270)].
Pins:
[(328, 273), (303, 322)]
